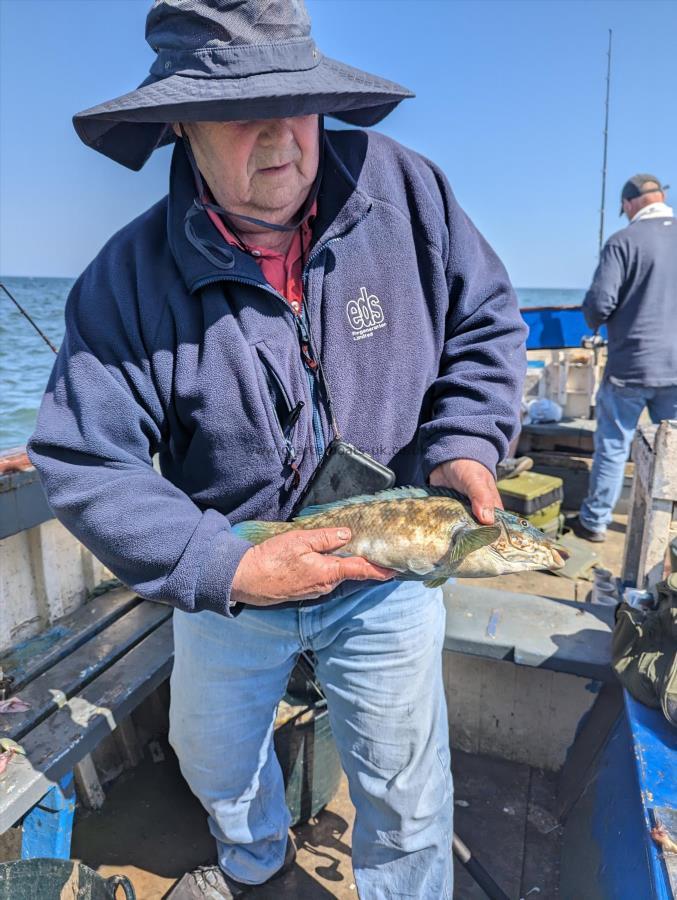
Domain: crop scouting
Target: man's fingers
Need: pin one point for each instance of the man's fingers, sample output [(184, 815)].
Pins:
[(325, 540), (485, 499), (475, 481), (356, 568)]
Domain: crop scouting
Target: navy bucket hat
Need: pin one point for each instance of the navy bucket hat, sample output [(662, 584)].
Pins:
[(229, 60)]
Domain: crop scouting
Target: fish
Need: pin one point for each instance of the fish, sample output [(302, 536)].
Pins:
[(426, 534), (14, 705), (663, 838), (5, 759)]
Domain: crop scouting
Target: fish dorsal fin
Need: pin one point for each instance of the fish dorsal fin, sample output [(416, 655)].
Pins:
[(397, 493), (468, 539)]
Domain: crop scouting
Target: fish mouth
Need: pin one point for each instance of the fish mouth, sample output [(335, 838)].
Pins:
[(559, 556)]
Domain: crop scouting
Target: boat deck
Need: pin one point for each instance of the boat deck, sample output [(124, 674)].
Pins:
[(152, 829)]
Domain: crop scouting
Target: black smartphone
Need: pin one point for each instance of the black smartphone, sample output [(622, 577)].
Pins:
[(343, 472)]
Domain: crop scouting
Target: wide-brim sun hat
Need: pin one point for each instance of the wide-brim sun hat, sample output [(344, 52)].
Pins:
[(231, 60)]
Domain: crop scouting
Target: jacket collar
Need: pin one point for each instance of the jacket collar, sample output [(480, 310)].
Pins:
[(656, 210), (341, 206)]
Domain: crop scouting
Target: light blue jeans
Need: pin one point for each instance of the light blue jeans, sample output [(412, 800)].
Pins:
[(379, 655), (618, 410)]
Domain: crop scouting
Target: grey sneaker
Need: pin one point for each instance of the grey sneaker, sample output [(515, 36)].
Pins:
[(212, 883), (581, 531)]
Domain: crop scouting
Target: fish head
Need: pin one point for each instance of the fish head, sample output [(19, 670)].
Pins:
[(522, 547)]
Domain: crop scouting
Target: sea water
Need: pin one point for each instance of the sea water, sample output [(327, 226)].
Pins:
[(26, 361)]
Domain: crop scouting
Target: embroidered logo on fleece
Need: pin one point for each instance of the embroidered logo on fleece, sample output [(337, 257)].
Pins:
[(365, 315)]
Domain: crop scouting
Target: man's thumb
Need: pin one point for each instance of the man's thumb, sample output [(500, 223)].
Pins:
[(324, 540)]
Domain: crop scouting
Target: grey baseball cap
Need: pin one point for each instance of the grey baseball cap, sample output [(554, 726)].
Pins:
[(641, 184)]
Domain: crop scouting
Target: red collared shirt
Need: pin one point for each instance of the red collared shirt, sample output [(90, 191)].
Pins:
[(282, 271)]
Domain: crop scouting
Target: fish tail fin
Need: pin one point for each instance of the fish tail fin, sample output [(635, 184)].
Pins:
[(257, 531)]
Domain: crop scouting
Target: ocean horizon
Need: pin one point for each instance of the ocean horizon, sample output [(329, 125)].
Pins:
[(26, 361)]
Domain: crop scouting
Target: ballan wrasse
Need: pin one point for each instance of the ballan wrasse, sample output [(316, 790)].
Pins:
[(425, 534)]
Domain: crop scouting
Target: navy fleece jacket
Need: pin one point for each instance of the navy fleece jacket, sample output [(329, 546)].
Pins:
[(634, 291), (167, 353)]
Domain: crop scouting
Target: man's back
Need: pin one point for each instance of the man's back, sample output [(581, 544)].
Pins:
[(635, 292)]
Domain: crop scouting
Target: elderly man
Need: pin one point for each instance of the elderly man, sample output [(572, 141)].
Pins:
[(293, 285), (634, 291)]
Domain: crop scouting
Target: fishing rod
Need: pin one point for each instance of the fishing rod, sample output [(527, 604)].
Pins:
[(24, 313), (606, 141)]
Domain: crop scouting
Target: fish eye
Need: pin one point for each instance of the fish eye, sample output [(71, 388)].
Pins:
[(524, 523)]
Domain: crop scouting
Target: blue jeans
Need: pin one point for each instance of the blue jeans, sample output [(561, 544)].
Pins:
[(379, 655), (618, 410)]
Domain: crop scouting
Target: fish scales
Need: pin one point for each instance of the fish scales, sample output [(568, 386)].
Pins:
[(392, 532)]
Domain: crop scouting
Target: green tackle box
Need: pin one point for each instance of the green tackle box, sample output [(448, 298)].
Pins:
[(546, 516), (530, 492), (554, 528)]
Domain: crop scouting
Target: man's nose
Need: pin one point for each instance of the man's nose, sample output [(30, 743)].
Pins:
[(277, 132)]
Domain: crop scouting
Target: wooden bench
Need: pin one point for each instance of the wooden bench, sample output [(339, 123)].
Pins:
[(82, 678)]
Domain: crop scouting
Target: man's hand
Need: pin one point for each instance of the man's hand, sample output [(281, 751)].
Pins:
[(298, 565), (475, 481)]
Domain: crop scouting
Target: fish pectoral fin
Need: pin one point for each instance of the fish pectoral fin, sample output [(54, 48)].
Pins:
[(436, 582), (467, 540), (419, 566)]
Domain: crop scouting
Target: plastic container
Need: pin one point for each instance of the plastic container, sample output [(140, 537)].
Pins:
[(604, 588), (577, 404), (554, 528), (530, 492), (534, 384), (639, 599), (545, 517), (51, 879), (581, 377), (308, 757)]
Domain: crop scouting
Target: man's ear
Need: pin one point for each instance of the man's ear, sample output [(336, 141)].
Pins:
[(176, 127)]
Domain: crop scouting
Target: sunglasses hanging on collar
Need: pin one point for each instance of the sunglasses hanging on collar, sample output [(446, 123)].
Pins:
[(218, 254)]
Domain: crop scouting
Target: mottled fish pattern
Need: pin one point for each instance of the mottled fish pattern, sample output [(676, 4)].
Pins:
[(425, 534)]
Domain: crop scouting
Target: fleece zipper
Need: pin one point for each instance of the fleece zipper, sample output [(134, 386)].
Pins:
[(301, 334)]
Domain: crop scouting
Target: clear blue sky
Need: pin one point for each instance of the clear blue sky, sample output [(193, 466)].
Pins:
[(509, 102)]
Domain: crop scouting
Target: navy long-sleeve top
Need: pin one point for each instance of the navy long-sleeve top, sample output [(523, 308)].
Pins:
[(634, 290)]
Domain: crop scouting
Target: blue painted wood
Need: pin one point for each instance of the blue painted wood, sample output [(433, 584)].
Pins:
[(59, 742), (607, 852), (47, 828), (23, 503), (29, 659), (556, 327), (654, 743), (70, 675)]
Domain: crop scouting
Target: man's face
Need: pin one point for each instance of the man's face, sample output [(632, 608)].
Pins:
[(263, 168)]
